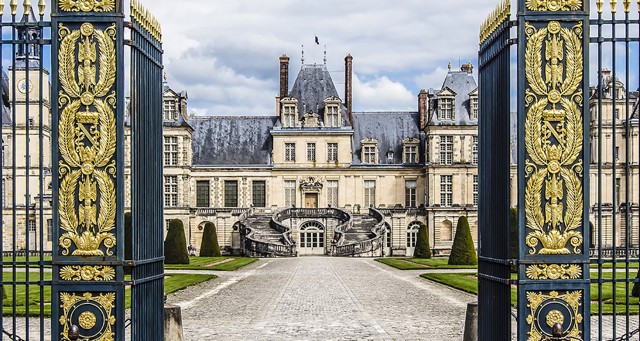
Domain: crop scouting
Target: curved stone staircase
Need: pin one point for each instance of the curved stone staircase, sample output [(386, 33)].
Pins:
[(266, 235)]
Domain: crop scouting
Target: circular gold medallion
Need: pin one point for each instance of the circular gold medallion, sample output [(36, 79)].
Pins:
[(87, 320), (554, 317)]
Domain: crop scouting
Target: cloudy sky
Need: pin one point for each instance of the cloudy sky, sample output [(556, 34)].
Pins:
[(225, 53)]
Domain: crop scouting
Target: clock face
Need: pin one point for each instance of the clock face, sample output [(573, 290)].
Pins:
[(24, 86)]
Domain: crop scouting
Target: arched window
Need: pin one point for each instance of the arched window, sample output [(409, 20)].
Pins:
[(412, 233), (311, 234)]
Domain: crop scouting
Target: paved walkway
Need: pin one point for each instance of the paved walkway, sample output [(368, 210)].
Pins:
[(321, 298)]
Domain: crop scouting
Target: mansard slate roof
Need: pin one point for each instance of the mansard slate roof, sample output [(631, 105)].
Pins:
[(312, 86), (389, 129), (462, 83), (232, 140)]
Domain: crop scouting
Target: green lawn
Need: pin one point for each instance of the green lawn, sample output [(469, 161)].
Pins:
[(172, 283), (421, 263), (469, 282), (207, 263)]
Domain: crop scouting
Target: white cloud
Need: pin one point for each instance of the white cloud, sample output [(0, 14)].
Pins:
[(382, 94)]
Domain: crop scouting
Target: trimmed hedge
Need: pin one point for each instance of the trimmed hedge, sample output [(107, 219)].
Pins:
[(635, 291), (513, 231), (128, 241), (423, 249), (463, 251), (175, 245), (210, 246)]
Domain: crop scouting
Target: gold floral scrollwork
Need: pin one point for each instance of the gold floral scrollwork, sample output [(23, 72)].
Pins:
[(87, 5), (547, 310), (554, 5), (554, 138), (87, 273), (554, 271), (82, 310), (87, 140)]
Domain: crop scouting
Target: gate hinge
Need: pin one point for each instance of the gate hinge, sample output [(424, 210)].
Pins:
[(512, 41)]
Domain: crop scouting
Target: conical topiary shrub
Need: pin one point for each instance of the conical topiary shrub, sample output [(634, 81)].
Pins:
[(175, 245), (463, 252), (635, 291), (513, 232), (423, 249), (210, 246)]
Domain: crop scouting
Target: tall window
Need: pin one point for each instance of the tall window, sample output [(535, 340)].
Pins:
[(259, 193), (474, 151), (169, 110), (474, 107), (332, 152), (311, 152), (289, 151), (171, 191), (332, 116), (332, 193), (446, 150), (618, 191), (446, 108), (411, 154), (202, 193), (289, 193), (170, 150), (475, 190), (410, 187), (49, 230), (369, 193), (32, 226), (446, 190), (230, 193), (412, 234), (369, 154), (289, 116)]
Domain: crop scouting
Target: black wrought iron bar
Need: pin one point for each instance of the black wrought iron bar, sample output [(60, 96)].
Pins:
[(614, 119), (26, 46), (14, 170), (2, 164), (41, 172), (599, 189), (609, 40), (626, 177)]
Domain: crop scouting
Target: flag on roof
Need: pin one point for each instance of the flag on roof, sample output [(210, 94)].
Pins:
[(317, 41)]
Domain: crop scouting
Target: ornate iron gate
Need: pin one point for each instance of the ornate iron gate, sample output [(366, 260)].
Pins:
[(66, 134), (578, 178)]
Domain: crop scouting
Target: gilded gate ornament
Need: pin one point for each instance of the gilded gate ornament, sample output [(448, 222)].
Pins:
[(87, 5), (554, 5), (553, 271), (87, 140), (554, 138), (87, 273), (554, 308), (93, 314)]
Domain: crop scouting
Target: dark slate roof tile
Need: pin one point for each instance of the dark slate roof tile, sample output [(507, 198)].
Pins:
[(389, 128), (232, 140), (312, 86), (462, 83)]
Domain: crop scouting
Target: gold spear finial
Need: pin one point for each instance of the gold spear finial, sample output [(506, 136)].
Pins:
[(14, 6), (600, 4), (41, 7), (27, 7), (627, 5), (614, 5), (2, 7)]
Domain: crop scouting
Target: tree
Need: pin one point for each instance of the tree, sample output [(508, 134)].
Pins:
[(422, 250), (210, 246), (635, 291), (128, 241), (175, 245), (463, 251)]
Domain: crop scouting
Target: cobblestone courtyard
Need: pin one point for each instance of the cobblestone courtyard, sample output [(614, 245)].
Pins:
[(321, 298)]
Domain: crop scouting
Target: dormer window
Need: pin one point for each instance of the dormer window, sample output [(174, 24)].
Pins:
[(445, 108), (169, 110), (332, 112), (410, 150), (473, 106), (390, 156), (289, 112), (370, 151)]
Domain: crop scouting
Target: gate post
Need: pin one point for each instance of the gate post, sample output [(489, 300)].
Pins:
[(553, 268), (88, 169)]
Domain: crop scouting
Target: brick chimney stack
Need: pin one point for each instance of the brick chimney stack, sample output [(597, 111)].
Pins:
[(348, 86), (284, 76), (422, 108)]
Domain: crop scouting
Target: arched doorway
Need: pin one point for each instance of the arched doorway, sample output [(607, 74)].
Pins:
[(412, 237), (311, 239)]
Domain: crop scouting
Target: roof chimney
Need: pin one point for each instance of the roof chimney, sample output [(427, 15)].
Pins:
[(422, 108), (284, 76), (348, 86)]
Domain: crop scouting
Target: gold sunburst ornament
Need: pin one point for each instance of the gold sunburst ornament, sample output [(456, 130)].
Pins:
[(87, 140), (554, 138)]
